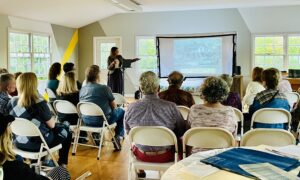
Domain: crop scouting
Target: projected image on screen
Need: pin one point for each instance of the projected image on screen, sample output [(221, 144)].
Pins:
[(196, 57)]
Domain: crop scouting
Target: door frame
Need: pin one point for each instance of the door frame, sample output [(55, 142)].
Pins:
[(96, 38)]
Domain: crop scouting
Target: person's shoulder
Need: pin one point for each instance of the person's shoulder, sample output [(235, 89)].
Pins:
[(197, 106), (14, 99)]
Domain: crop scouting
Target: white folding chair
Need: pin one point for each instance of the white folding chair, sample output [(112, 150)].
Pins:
[(272, 116), (91, 109), (66, 107), (293, 98), (150, 136), (270, 137), (185, 111), (24, 127), (50, 93), (240, 118), (120, 99), (208, 138)]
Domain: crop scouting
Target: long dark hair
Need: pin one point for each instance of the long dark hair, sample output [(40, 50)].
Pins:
[(54, 71), (113, 51)]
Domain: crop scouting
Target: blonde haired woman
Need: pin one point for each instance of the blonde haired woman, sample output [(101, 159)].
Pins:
[(67, 90), (14, 168), (29, 105)]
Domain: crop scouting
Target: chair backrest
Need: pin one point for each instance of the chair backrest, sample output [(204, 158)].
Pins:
[(240, 118), (50, 93), (119, 99), (65, 107), (24, 127), (208, 137), (185, 111), (197, 98), (271, 116), (89, 109), (153, 136), (293, 98), (270, 137)]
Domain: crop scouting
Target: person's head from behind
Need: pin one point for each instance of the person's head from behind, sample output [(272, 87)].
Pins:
[(3, 71), (68, 67), (114, 51), (54, 71), (214, 90), (175, 79), (271, 78), (92, 74), (6, 150), (228, 79), (17, 74), (257, 74), (67, 84), (27, 89), (7, 83), (149, 83)]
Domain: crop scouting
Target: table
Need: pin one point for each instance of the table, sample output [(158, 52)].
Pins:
[(175, 172)]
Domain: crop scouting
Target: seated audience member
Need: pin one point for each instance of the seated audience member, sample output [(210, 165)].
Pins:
[(7, 86), (3, 71), (284, 85), (174, 93), (152, 111), (16, 75), (255, 86), (67, 90), (102, 96), (69, 66), (15, 169), (233, 98), (30, 106), (212, 113), (53, 74), (271, 97)]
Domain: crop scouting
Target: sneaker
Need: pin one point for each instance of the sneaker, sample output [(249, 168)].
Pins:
[(48, 163), (118, 142)]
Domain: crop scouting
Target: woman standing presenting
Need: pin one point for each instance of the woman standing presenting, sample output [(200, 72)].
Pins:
[(115, 74)]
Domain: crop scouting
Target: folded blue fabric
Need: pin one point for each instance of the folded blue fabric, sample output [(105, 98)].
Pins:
[(231, 159)]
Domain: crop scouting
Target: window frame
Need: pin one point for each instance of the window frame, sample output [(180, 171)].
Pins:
[(137, 38), (285, 47), (31, 34)]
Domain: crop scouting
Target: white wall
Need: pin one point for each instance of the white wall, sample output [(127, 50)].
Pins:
[(128, 26), (272, 19)]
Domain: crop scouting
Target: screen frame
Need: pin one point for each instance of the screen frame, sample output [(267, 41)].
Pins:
[(234, 39)]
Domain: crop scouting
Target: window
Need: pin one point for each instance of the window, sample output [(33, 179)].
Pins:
[(279, 51), (29, 52), (146, 51)]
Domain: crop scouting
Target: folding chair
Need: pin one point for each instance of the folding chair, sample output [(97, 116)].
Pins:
[(270, 137), (240, 118), (185, 111), (24, 127), (293, 98), (197, 98), (207, 137), (51, 94), (91, 109), (150, 136), (120, 99), (271, 116), (66, 107)]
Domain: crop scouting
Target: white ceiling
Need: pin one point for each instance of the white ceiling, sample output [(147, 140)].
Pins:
[(78, 13)]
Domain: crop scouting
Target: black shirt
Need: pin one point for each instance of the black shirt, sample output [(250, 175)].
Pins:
[(14, 170)]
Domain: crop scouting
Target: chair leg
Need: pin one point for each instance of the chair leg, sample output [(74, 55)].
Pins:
[(114, 139), (76, 139), (100, 144)]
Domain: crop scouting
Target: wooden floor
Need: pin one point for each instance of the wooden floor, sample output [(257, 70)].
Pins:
[(111, 166)]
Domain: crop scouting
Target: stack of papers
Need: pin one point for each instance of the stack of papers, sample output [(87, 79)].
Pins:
[(291, 151), (266, 171), (199, 169)]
